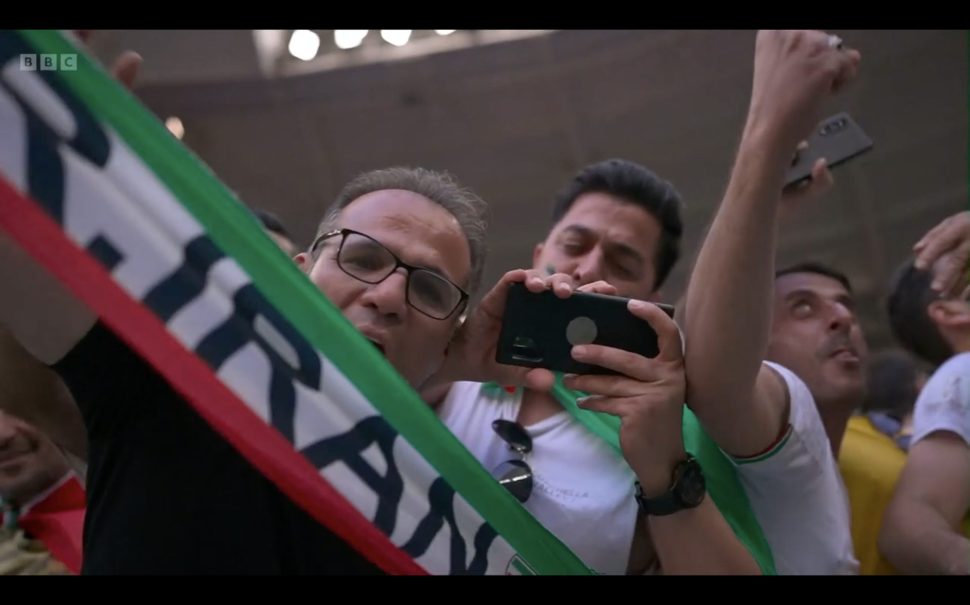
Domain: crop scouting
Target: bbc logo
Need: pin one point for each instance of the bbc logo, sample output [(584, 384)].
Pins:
[(49, 62)]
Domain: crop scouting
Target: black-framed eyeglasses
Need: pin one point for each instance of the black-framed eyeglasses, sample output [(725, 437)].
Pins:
[(363, 257), (515, 474)]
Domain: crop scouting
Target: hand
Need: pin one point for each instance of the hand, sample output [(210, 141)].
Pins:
[(795, 72), (946, 249), (647, 395), (125, 67), (797, 196)]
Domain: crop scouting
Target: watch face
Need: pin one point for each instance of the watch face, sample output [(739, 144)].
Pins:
[(691, 487)]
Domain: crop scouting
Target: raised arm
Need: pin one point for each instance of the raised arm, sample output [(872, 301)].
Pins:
[(742, 403)]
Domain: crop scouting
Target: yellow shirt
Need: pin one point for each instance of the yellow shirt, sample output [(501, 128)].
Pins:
[(871, 464)]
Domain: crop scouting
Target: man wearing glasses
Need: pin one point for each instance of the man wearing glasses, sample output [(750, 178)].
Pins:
[(399, 254), (408, 308)]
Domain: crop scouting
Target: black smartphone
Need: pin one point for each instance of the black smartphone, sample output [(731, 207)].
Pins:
[(838, 139), (540, 329)]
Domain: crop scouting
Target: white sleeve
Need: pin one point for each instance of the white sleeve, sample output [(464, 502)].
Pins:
[(944, 403), (805, 445), (797, 493)]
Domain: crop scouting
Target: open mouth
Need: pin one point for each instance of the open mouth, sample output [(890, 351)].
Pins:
[(847, 355), (378, 346)]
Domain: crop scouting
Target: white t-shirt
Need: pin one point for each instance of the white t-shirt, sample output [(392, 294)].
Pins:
[(944, 403), (583, 488), (797, 493)]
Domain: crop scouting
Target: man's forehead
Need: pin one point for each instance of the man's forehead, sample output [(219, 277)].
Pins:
[(807, 281), (598, 203), (604, 213), (397, 210), (374, 205)]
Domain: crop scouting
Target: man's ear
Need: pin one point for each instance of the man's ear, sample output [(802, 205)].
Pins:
[(950, 313), (303, 261)]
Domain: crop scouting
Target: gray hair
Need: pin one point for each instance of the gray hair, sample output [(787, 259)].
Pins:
[(439, 187)]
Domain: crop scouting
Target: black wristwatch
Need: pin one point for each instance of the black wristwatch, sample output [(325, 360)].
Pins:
[(686, 490)]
